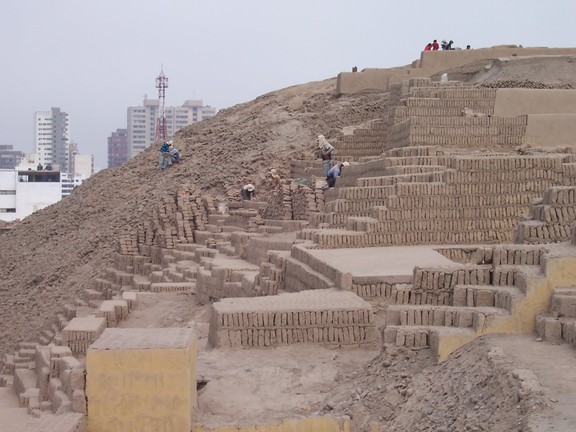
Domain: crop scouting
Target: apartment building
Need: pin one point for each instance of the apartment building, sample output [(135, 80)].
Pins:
[(26, 189), (118, 151), (9, 157), (141, 132), (52, 138)]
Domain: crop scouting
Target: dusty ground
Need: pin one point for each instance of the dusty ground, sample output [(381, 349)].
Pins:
[(49, 258), (493, 384)]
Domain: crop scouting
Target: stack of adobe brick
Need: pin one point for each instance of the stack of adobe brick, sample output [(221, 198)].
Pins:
[(327, 317), (293, 201), (551, 217)]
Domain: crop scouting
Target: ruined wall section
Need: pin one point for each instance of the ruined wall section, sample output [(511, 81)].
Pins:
[(550, 219), (293, 201), (173, 222)]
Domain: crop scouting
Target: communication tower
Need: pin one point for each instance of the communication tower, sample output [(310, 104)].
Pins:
[(161, 85)]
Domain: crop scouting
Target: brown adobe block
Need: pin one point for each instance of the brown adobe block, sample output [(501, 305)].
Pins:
[(552, 330)]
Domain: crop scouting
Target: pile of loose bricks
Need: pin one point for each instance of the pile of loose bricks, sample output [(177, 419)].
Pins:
[(173, 222), (293, 201), (47, 379)]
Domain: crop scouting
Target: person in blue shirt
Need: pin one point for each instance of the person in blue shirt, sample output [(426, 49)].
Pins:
[(168, 154), (335, 172)]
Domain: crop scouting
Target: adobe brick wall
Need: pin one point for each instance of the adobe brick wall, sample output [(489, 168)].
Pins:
[(328, 317), (432, 62), (551, 218)]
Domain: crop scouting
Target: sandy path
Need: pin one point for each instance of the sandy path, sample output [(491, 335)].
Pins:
[(555, 368)]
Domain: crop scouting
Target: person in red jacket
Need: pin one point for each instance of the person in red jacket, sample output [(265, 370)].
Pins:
[(435, 45), (428, 47)]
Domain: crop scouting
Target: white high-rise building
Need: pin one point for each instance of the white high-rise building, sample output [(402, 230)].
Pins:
[(52, 138), (26, 189), (142, 121)]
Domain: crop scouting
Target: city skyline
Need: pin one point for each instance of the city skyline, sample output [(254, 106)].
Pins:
[(95, 60)]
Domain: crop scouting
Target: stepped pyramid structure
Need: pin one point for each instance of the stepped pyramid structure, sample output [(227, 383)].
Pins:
[(444, 228)]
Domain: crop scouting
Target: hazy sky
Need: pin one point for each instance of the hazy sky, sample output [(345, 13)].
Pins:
[(93, 59)]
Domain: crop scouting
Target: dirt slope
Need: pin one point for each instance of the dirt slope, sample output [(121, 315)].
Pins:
[(53, 254)]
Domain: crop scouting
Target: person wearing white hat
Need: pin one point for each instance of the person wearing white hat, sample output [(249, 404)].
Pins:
[(325, 149), (174, 152), (247, 192), (275, 178), (335, 171)]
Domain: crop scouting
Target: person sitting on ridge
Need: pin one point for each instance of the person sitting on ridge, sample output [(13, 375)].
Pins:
[(247, 192), (168, 154), (335, 172), (174, 152)]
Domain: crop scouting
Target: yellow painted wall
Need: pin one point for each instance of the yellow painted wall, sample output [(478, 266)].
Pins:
[(141, 390), (559, 271), (551, 130), (517, 101), (315, 424), (448, 343)]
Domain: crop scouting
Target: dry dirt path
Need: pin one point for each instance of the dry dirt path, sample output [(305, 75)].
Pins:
[(248, 384), (555, 368)]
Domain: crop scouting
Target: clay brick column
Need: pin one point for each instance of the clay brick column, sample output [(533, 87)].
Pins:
[(141, 380)]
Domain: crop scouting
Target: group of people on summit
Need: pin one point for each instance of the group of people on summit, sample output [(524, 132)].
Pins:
[(446, 46), (168, 155)]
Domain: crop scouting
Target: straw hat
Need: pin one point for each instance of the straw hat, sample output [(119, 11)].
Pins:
[(274, 173), (249, 187)]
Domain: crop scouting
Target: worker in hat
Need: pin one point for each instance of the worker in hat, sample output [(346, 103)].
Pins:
[(325, 149), (174, 153), (335, 171), (275, 178), (247, 192)]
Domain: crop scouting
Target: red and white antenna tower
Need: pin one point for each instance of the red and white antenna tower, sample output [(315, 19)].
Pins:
[(161, 85)]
